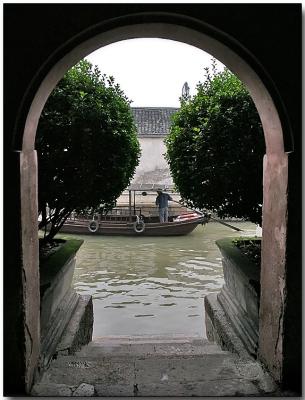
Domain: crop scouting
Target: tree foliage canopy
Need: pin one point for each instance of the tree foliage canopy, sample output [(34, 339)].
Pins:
[(87, 145), (215, 148)]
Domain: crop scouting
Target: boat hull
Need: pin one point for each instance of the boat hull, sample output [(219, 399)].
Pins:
[(128, 229)]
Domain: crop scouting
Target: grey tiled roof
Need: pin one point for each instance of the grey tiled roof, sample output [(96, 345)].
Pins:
[(154, 121), (149, 186)]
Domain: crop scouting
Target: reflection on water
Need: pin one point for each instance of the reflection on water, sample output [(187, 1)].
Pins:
[(143, 285)]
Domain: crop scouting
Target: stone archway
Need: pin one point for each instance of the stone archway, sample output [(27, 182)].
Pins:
[(275, 184)]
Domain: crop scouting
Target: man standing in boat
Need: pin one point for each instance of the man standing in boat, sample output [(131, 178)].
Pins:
[(162, 201)]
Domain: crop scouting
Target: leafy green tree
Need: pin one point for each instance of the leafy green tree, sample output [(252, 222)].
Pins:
[(87, 146), (215, 148)]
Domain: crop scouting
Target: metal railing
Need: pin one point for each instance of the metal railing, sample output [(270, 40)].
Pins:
[(123, 213)]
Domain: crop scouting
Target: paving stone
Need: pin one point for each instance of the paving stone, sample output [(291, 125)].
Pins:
[(219, 388), (187, 368), (254, 371), (84, 390), (105, 390), (51, 390), (73, 371), (225, 388)]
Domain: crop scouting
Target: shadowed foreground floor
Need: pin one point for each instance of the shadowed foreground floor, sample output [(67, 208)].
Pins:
[(154, 366)]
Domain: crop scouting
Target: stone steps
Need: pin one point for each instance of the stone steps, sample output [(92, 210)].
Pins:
[(153, 366), (69, 329), (148, 346)]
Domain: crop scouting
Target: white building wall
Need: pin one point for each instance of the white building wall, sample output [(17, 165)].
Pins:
[(152, 167)]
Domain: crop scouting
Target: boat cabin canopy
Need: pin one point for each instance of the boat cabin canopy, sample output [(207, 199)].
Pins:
[(149, 187), (144, 188)]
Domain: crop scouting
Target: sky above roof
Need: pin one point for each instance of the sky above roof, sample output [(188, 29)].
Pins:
[(152, 71)]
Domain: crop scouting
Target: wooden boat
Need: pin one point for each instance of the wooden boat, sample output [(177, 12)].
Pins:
[(131, 222), (136, 228)]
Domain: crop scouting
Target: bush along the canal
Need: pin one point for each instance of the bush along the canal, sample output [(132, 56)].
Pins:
[(87, 146), (250, 247), (58, 252), (215, 148)]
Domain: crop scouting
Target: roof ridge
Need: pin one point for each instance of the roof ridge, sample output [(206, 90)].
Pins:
[(156, 108)]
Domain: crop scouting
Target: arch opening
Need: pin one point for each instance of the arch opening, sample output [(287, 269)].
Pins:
[(275, 174)]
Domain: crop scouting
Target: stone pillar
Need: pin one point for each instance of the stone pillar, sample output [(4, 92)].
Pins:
[(21, 273), (13, 332), (30, 261), (273, 267)]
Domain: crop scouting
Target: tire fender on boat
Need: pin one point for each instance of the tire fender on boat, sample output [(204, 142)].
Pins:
[(139, 226), (93, 226)]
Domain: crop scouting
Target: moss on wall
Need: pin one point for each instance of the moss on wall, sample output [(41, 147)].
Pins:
[(52, 264)]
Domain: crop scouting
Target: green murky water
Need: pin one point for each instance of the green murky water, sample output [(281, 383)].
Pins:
[(155, 286)]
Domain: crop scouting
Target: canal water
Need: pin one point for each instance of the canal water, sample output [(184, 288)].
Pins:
[(152, 286)]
